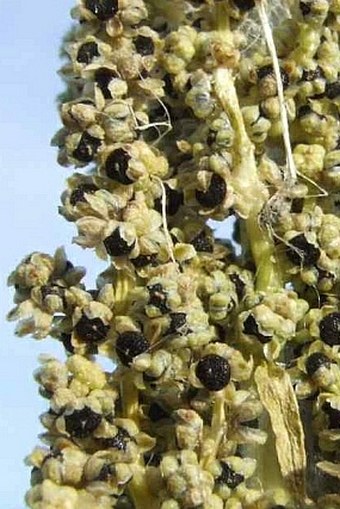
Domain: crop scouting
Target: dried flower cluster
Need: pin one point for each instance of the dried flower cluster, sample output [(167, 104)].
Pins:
[(225, 384)]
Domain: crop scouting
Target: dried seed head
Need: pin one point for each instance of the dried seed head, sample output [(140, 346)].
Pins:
[(81, 423), (315, 361), (215, 193), (213, 371), (305, 253), (330, 329), (91, 330), (130, 344)]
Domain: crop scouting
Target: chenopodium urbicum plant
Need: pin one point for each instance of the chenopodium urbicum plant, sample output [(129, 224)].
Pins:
[(224, 391)]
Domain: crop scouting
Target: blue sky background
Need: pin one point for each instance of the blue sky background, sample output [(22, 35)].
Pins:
[(31, 184)]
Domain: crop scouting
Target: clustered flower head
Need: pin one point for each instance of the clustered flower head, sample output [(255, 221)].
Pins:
[(224, 391)]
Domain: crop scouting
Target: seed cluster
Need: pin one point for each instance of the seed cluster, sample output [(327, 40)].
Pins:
[(171, 119)]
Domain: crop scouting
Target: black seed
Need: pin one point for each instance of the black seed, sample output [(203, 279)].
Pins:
[(87, 148), (102, 77), (119, 441), (305, 254), (102, 9), (333, 90), (169, 88), (305, 8), (144, 260), (267, 70), (333, 415), (144, 45), (116, 166), (311, 75), (106, 472), (81, 423), (158, 298), (215, 193), (115, 245), (92, 330), (47, 290), (66, 341), (244, 5), (202, 243), (315, 361), (152, 459), (78, 194), (330, 329), (174, 199), (130, 344), (156, 413), (239, 285), (229, 477), (297, 205), (213, 371), (87, 52), (251, 328), (177, 321)]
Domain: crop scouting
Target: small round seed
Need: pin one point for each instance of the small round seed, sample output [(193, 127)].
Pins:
[(330, 329), (81, 423), (130, 344), (213, 371), (215, 193), (315, 361)]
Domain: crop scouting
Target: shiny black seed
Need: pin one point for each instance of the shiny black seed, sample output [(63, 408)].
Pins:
[(156, 413), (267, 70), (330, 329), (158, 298), (66, 341), (215, 193), (239, 285), (202, 243), (213, 371), (333, 90), (116, 166), (87, 52), (244, 5), (315, 361), (177, 321), (174, 199), (115, 245), (297, 205), (102, 9), (106, 472), (92, 330), (229, 477), (87, 148), (81, 423), (78, 194), (169, 88), (333, 416), (305, 254), (305, 8), (119, 441), (130, 344), (102, 77), (144, 260), (251, 328), (311, 75), (144, 45)]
